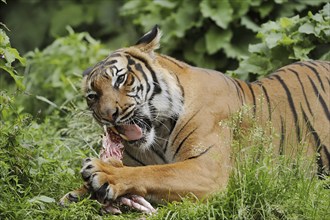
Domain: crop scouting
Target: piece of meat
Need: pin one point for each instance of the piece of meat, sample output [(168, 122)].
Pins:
[(112, 147)]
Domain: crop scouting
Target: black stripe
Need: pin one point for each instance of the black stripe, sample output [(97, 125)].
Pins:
[(159, 154), (254, 98), (320, 98), (317, 140), (124, 113), (187, 122), (175, 62), (105, 75), (283, 134), (173, 122), (157, 88), (241, 88), (312, 63), (139, 68), (108, 63), (303, 90), (325, 65), (327, 154), (226, 78), (132, 81), (315, 73), (267, 99), (134, 158), (152, 109), (183, 141), (181, 87), (291, 104), (132, 96), (238, 91)]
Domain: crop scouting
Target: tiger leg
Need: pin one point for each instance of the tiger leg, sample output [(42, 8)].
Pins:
[(169, 182)]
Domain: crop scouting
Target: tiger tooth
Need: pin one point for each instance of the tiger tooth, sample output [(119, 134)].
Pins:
[(114, 130), (123, 137)]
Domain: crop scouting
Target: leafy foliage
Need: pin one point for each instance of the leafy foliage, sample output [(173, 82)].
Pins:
[(59, 66), (7, 56), (99, 18), (213, 34), (288, 40), (206, 33)]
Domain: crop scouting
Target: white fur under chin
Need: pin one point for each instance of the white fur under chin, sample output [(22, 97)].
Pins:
[(149, 140)]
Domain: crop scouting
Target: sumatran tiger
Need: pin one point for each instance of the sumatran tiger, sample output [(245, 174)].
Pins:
[(167, 115)]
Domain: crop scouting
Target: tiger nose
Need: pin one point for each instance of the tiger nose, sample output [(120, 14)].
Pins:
[(112, 114)]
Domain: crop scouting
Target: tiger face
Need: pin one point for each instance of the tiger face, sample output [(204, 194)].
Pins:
[(117, 95), (126, 95)]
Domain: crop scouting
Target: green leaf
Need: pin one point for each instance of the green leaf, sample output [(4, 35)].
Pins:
[(272, 39), (301, 52), (11, 54), (44, 99), (286, 22), (12, 73), (265, 8), (42, 198), (4, 39), (326, 11), (185, 18), (325, 56), (166, 4), (306, 28), (240, 8), (216, 39), (257, 48), (246, 21), (286, 41), (220, 12)]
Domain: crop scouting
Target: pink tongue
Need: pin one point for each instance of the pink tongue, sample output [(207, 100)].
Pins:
[(132, 132)]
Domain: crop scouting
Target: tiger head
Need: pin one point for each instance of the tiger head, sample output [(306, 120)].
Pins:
[(132, 94)]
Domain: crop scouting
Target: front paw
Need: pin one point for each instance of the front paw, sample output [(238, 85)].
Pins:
[(73, 196), (98, 176)]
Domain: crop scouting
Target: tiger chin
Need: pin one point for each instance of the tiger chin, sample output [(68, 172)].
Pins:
[(167, 115)]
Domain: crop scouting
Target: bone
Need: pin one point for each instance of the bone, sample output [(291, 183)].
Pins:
[(138, 203)]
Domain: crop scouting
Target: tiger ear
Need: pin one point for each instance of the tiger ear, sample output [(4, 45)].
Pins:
[(150, 41), (87, 71)]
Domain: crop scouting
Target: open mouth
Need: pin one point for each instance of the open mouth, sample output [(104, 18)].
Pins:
[(128, 132), (113, 137)]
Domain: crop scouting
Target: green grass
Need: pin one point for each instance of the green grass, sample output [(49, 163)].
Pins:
[(40, 162)]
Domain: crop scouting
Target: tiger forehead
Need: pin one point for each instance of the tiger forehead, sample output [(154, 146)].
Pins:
[(110, 67)]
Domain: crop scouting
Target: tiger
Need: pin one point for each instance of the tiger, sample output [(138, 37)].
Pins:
[(168, 114)]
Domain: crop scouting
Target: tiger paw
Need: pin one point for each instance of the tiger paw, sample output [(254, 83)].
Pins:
[(99, 177)]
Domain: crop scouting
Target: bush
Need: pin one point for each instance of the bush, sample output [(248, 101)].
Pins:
[(206, 33), (286, 41), (53, 75), (212, 34)]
